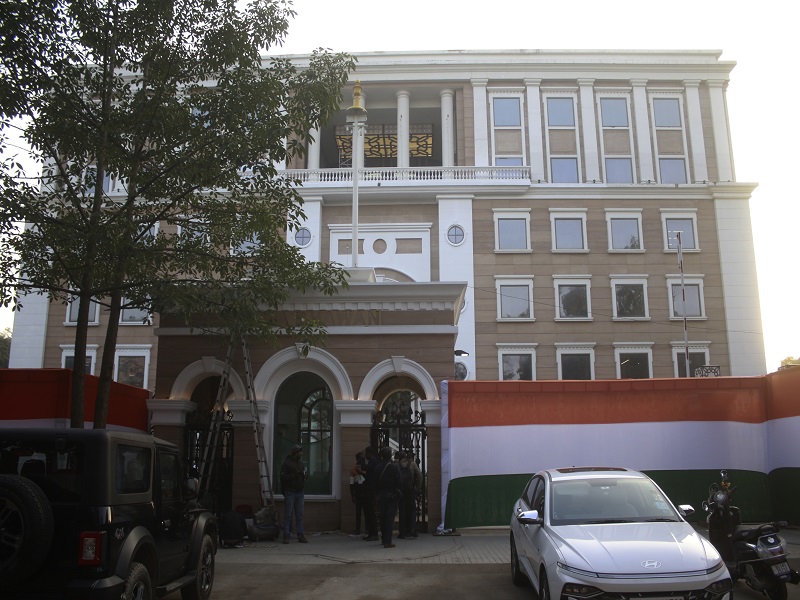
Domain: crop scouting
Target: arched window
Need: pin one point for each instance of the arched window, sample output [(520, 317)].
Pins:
[(305, 416)]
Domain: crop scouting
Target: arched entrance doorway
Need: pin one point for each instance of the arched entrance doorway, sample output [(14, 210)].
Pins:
[(198, 423), (304, 415), (399, 424)]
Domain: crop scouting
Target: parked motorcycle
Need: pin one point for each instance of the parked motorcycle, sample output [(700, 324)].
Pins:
[(754, 553)]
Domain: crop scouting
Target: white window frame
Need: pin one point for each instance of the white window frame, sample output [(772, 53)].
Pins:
[(675, 280), (515, 280), (629, 214), (503, 349), (463, 231), (134, 323), (511, 213), (584, 280), (505, 94), (619, 95), (624, 279), (94, 319), (633, 348), (572, 214), (133, 350), (679, 354), (669, 213), (563, 348), (69, 350), (671, 95), (573, 94)]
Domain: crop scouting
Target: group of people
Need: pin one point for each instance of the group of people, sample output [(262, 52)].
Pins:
[(381, 486)]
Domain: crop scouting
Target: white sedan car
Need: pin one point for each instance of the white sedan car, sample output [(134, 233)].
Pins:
[(606, 533)]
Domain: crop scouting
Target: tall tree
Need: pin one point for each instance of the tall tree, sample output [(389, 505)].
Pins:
[(159, 125)]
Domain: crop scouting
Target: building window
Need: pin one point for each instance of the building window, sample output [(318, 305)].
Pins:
[(68, 358), (634, 361), (683, 222), (131, 315), (695, 303), (562, 140), (456, 235), (629, 295), (616, 139), (575, 360), (514, 298), (568, 230), (573, 297), (302, 237), (670, 138), (517, 362), (132, 365), (511, 229), (508, 139), (72, 312), (698, 357), (624, 230)]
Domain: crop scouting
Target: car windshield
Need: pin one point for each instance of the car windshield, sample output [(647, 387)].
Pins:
[(608, 500)]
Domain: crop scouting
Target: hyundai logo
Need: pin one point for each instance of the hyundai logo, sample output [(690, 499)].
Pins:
[(651, 564)]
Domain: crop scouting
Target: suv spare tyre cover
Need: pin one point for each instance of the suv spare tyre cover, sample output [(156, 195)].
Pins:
[(26, 521)]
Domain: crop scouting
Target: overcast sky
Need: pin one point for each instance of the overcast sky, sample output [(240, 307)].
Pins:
[(760, 37)]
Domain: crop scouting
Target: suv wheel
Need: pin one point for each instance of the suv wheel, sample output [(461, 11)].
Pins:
[(137, 586), (200, 588), (26, 522)]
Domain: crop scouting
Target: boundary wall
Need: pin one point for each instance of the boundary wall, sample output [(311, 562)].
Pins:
[(681, 432)]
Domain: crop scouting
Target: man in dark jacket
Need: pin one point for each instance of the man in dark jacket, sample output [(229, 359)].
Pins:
[(388, 482), (293, 482), (368, 491)]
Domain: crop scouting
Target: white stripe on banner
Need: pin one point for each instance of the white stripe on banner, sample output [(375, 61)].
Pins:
[(677, 445), (784, 442)]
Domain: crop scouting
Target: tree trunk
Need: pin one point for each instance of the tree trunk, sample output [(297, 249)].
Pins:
[(107, 366)]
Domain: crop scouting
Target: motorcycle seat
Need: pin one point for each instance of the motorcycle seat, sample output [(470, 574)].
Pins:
[(752, 532)]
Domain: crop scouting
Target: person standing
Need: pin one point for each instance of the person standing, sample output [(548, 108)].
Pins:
[(368, 491), (293, 482), (412, 486), (357, 490), (387, 485)]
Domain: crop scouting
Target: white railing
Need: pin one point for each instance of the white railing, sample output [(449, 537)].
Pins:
[(411, 174)]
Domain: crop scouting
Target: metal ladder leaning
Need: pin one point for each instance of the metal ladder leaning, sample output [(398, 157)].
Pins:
[(268, 508)]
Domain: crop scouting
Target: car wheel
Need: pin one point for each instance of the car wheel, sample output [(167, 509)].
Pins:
[(517, 578), (138, 586), (26, 522), (544, 587), (200, 588)]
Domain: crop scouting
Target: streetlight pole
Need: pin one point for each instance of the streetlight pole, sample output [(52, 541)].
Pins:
[(357, 117)]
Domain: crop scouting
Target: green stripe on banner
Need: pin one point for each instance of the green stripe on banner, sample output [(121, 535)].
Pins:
[(486, 501)]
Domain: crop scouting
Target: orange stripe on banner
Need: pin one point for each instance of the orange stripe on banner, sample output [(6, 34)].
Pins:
[(498, 403)]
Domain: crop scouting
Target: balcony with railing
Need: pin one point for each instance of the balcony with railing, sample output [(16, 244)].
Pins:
[(411, 176)]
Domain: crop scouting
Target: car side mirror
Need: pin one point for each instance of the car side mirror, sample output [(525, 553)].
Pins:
[(686, 510), (529, 517), (191, 487)]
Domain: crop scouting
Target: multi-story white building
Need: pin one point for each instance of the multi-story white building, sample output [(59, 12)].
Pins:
[(539, 195)]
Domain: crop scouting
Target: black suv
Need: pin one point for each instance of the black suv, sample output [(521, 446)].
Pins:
[(100, 514)]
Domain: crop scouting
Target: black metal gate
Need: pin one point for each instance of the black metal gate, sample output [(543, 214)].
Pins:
[(221, 486), (400, 427)]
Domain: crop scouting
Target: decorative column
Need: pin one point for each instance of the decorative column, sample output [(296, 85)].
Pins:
[(448, 128), (719, 122), (589, 130), (403, 128), (643, 139), (314, 150), (535, 133), (695, 123), (480, 112)]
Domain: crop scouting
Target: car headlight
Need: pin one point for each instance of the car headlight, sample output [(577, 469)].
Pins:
[(577, 590), (580, 572), (720, 587)]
